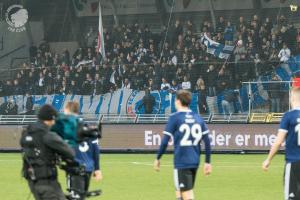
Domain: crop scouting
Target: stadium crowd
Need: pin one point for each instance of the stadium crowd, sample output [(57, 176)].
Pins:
[(137, 58)]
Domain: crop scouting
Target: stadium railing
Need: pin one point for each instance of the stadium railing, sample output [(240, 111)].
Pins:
[(231, 118), (259, 117), (151, 118)]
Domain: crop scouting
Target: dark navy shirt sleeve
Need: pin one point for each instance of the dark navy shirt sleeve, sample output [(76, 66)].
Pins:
[(171, 126), (206, 141), (168, 133), (284, 124), (204, 128), (163, 146)]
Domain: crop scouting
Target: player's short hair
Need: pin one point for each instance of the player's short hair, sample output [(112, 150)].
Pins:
[(184, 96), (73, 107)]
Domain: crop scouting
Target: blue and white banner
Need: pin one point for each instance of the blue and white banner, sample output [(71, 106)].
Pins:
[(123, 101), (129, 101), (217, 49)]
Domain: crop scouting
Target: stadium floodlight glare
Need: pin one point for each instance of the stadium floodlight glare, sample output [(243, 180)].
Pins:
[(294, 7)]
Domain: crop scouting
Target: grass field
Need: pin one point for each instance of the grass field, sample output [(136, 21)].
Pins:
[(131, 177)]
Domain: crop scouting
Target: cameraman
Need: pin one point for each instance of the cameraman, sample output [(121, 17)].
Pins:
[(86, 150), (40, 148)]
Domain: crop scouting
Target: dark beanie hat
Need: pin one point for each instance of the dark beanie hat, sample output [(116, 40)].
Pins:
[(47, 112)]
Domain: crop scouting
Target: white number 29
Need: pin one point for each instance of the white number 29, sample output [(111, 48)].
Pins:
[(196, 132)]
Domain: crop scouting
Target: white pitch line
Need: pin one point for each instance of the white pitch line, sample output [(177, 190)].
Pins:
[(148, 164), (215, 166)]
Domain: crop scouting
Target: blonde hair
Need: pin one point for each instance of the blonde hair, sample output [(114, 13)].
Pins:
[(72, 107)]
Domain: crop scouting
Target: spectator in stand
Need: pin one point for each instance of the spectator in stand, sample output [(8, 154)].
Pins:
[(229, 34), (74, 89), (17, 88), (87, 86), (148, 102), (186, 84), (126, 84), (178, 30), (150, 85), (41, 84), (201, 90), (98, 85), (275, 94), (224, 79), (221, 25), (175, 86), (227, 102), (284, 54), (211, 77), (239, 50), (29, 105), (164, 85)]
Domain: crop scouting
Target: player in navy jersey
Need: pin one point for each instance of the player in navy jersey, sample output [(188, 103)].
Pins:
[(187, 129), (288, 132)]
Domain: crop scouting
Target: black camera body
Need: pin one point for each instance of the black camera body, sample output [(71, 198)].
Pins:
[(87, 132)]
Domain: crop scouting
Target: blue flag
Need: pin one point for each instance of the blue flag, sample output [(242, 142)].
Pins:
[(217, 49)]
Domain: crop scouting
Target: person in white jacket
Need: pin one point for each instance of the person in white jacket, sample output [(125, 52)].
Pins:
[(284, 54)]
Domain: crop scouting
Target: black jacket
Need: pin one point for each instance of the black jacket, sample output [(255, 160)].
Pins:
[(40, 149), (148, 102)]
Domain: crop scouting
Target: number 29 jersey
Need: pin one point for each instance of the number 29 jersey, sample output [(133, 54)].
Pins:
[(187, 129), (290, 124)]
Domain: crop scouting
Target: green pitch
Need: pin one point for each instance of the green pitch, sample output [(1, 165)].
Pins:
[(131, 177)]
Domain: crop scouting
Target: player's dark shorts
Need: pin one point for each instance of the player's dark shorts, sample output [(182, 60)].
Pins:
[(292, 181), (185, 179)]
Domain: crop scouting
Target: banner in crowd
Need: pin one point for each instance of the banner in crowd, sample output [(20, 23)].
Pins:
[(148, 137), (217, 49), (122, 101), (128, 101)]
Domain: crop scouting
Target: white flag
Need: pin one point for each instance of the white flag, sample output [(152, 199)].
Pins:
[(100, 46)]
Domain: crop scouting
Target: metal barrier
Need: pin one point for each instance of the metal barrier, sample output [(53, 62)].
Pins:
[(231, 118), (151, 119)]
